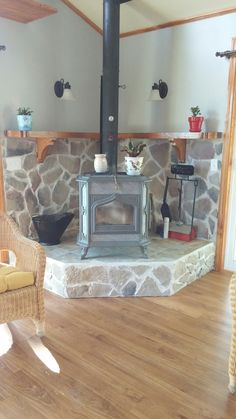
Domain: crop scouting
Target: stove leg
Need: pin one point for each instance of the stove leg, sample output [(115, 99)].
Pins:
[(83, 252)]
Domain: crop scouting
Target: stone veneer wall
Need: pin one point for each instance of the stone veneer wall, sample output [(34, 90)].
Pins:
[(33, 188)]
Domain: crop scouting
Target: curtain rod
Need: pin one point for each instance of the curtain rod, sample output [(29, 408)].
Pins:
[(227, 54)]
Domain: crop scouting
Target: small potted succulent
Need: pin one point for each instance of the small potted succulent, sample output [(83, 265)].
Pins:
[(24, 119), (195, 121), (133, 161)]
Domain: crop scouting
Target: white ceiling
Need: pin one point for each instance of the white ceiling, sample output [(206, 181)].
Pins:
[(140, 14)]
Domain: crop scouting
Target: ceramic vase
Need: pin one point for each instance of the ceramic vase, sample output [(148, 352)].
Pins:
[(133, 165), (100, 163), (24, 122)]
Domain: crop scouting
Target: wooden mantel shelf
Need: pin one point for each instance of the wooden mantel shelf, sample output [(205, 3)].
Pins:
[(46, 138)]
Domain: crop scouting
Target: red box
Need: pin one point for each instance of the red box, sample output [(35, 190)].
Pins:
[(182, 232)]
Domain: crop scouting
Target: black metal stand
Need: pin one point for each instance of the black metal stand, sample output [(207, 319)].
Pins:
[(181, 179)]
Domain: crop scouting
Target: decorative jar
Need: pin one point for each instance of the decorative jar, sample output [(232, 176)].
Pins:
[(100, 163)]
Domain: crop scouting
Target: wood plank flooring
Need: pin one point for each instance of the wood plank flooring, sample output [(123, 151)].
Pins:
[(124, 358)]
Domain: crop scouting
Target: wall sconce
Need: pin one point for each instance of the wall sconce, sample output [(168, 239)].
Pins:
[(159, 91), (63, 90)]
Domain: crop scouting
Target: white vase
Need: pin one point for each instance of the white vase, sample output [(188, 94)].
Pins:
[(133, 165), (100, 163)]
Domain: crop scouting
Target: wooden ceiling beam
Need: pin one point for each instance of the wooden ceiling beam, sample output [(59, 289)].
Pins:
[(24, 11)]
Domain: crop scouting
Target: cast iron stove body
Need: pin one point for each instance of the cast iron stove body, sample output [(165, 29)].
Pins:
[(113, 211)]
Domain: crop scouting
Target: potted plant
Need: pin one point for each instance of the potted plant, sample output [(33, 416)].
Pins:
[(195, 121), (24, 119), (133, 161)]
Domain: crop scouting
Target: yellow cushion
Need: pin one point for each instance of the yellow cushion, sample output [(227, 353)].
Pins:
[(11, 278)]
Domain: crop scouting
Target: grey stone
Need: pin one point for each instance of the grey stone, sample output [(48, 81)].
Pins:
[(24, 221), (59, 147), (100, 290), (66, 176), (202, 208), (203, 150), (35, 179), (213, 193), (202, 230), (173, 188), (44, 196), (180, 269), (156, 187), (77, 148), (49, 162), (189, 189), (160, 152), (31, 201), (73, 183), (77, 291), (18, 147), (150, 168), (15, 200), (163, 274), (87, 166), (52, 175), (129, 289), (93, 148), (21, 174), (149, 288), (60, 192), (72, 164), (215, 179), (29, 162), (19, 185), (119, 276), (201, 168), (74, 201)]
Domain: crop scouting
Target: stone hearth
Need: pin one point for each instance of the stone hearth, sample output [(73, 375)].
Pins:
[(170, 266)]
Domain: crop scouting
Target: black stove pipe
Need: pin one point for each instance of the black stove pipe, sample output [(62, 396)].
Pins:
[(110, 81)]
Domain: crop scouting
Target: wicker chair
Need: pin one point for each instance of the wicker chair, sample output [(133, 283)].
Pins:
[(232, 357), (27, 302)]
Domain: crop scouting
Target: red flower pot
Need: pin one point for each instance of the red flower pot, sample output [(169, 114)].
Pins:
[(195, 123)]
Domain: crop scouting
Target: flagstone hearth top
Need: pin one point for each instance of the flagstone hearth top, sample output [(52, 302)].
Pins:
[(161, 250)]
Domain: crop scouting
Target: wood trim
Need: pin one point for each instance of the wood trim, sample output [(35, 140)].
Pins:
[(227, 161), (83, 16), (4, 255), (179, 22), (50, 134), (45, 139), (211, 135), (2, 194)]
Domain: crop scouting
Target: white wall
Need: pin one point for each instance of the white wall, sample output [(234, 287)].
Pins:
[(64, 46), (184, 57), (38, 54)]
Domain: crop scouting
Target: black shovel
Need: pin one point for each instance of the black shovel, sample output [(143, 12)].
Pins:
[(165, 210)]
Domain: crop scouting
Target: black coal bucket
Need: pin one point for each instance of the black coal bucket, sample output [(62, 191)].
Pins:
[(51, 227)]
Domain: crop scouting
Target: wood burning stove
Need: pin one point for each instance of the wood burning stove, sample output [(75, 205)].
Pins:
[(113, 211)]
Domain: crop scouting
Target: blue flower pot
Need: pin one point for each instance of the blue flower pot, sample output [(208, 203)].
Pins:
[(24, 122)]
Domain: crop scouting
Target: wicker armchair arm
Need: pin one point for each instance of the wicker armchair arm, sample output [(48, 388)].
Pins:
[(30, 256)]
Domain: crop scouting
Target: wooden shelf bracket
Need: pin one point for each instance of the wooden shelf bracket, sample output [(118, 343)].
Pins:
[(42, 145), (180, 145)]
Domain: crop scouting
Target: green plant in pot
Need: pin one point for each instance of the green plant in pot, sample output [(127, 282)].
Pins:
[(196, 120), (24, 119), (133, 162)]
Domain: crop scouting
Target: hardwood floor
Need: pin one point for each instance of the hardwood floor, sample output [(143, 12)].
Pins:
[(124, 358)]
